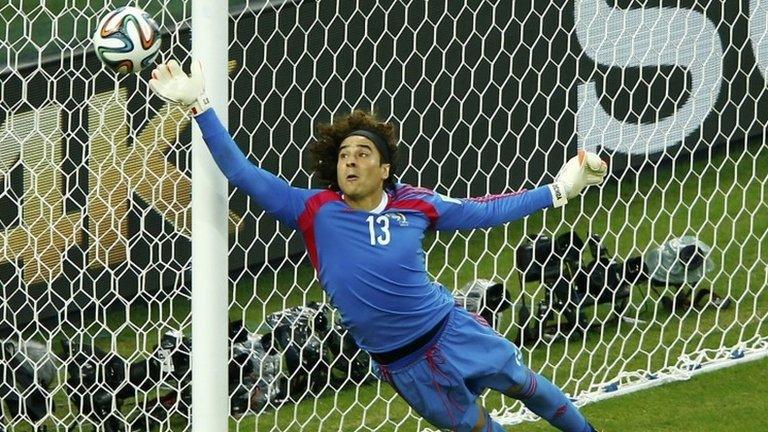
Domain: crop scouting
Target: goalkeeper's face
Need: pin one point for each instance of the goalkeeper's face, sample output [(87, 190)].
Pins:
[(359, 170)]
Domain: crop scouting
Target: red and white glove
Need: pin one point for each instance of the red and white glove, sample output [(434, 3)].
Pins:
[(579, 172), (170, 83)]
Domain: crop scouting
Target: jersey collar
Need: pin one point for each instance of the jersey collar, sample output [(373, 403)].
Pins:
[(379, 208), (382, 205)]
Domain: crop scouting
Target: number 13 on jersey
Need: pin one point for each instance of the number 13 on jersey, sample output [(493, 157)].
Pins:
[(383, 223)]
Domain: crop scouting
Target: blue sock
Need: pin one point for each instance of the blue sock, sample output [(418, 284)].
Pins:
[(492, 426), (549, 403)]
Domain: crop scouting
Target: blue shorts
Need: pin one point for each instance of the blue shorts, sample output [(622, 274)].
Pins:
[(442, 380)]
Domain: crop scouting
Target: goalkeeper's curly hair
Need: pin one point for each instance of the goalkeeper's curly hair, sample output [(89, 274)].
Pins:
[(324, 151)]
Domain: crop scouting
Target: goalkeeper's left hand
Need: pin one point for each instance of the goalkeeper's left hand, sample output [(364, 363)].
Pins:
[(579, 172), (171, 84)]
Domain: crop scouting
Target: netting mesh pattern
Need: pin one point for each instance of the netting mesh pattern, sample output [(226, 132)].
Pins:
[(656, 275)]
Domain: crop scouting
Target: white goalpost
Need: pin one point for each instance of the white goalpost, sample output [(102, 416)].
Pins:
[(210, 266), (138, 291)]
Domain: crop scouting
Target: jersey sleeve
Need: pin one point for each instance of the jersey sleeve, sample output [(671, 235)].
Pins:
[(488, 211), (280, 200)]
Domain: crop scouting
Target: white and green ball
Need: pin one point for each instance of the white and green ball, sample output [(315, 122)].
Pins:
[(127, 40)]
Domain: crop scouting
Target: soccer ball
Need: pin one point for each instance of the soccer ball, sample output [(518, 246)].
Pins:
[(127, 40)]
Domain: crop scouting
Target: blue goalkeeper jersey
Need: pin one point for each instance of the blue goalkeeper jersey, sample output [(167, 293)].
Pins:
[(371, 263)]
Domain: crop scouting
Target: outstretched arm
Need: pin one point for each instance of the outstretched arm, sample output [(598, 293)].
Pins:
[(489, 211), (271, 193), (581, 171)]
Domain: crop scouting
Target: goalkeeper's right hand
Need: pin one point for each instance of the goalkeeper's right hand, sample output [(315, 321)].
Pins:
[(579, 172), (170, 83)]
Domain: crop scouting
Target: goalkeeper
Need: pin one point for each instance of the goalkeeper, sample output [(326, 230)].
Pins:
[(364, 234)]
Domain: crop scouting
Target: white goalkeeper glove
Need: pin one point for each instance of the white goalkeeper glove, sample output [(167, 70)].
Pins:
[(170, 83), (579, 172)]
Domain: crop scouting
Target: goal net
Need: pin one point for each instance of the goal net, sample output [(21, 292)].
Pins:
[(655, 276)]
